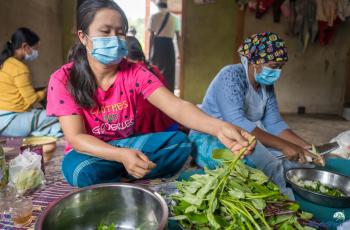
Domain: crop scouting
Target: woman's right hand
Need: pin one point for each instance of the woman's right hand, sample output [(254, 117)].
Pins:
[(294, 153), (136, 163), (235, 138)]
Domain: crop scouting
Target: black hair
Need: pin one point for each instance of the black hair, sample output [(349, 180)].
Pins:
[(20, 36), (135, 53), (82, 83), (72, 52), (162, 5)]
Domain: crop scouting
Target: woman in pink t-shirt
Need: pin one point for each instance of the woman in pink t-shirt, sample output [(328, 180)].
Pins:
[(95, 97)]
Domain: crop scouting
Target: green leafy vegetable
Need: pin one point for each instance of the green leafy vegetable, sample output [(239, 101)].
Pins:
[(234, 196), (306, 215), (25, 180), (222, 154), (106, 227)]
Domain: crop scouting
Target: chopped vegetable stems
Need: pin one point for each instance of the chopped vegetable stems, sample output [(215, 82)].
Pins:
[(317, 186)]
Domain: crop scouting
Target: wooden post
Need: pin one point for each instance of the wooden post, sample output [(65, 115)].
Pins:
[(147, 16), (68, 25), (239, 33), (182, 50), (347, 81)]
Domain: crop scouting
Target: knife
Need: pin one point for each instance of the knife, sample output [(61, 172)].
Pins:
[(327, 148)]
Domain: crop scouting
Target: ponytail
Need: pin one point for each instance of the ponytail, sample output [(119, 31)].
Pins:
[(7, 52), (81, 84)]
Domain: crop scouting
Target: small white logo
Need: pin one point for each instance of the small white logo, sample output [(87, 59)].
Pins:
[(339, 216)]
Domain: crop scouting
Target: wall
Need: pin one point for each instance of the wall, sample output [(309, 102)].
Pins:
[(68, 26), (315, 79), (43, 17), (347, 88), (209, 41)]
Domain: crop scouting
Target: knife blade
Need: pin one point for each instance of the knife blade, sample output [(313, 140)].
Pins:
[(327, 148)]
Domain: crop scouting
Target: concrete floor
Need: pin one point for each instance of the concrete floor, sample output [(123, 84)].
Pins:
[(317, 129)]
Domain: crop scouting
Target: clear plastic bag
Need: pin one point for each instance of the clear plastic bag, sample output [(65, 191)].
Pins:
[(25, 173), (344, 226), (343, 139)]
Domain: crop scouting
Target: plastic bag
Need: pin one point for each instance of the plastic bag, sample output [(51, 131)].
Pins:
[(25, 172), (343, 139), (37, 149), (344, 226)]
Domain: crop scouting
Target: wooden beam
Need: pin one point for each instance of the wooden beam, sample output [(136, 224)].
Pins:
[(347, 80), (240, 19), (147, 16), (182, 50)]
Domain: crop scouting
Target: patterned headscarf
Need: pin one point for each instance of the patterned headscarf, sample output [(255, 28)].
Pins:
[(264, 47)]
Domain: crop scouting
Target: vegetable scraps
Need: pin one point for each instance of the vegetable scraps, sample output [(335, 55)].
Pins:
[(317, 186), (235, 196)]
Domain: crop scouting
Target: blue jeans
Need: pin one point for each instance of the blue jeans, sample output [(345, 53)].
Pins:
[(169, 150), (262, 158)]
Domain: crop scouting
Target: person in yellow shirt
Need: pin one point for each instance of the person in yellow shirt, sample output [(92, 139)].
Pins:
[(18, 118)]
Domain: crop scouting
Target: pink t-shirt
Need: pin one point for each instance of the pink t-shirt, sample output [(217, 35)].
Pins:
[(115, 117)]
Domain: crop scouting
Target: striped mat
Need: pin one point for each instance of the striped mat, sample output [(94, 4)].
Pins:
[(56, 187), (41, 199)]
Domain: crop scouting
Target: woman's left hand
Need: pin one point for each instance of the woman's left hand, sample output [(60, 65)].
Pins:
[(235, 138)]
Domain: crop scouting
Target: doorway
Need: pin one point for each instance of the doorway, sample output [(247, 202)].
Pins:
[(138, 13)]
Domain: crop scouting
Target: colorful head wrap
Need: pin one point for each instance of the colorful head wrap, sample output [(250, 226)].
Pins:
[(264, 47)]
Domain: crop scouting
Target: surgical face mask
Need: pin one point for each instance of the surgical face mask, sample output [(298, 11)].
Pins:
[(267, 76), (109, 50), (31, 57)]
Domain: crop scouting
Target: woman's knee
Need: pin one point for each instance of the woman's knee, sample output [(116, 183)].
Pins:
[(171, 158), (81, 170)]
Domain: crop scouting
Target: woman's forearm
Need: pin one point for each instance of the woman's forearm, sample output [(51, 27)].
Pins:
[(194, 118), (93, 146), (290, 136), (269, 140), (185, 112)]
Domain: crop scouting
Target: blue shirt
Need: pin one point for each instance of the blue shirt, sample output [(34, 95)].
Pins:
[(225, 99)]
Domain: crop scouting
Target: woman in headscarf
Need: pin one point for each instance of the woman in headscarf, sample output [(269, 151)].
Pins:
[(243, 94)]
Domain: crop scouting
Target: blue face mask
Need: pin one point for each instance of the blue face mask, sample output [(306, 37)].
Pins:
[(109, 50), (268, 76), (31, 57)]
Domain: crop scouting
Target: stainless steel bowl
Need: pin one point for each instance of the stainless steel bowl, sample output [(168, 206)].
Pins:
[(327, 178), (127, 206)]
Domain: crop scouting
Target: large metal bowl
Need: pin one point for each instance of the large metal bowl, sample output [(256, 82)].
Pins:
[(127, 206), (327, 178)]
